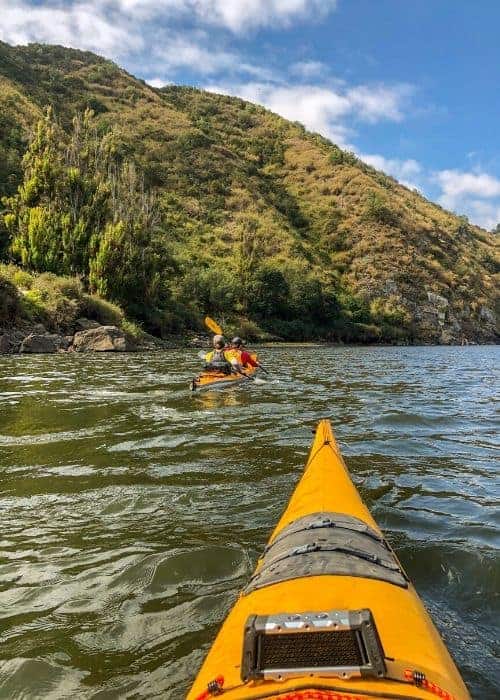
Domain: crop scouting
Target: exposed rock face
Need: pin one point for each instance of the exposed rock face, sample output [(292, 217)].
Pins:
[(446, 322), (101, 339), (486, 314), (43, 343), (437, 300)]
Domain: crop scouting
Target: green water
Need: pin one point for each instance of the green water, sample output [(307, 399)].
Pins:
[(133, 512)]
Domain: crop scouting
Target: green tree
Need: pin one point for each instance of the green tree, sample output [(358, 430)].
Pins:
[(269, 293), (248, 253), (62, 202), (130, 264)]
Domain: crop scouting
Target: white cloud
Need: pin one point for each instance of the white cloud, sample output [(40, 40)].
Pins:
[(158, 82), (309, 69), (476, 194), (375, 102), (181, 52), (407, 171), (239, 15), (485, 214), (123, 29), (321, 108), (114, 27), (82, 25), (456, 184)]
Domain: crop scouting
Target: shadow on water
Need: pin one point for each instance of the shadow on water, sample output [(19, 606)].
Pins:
[(133, 511)]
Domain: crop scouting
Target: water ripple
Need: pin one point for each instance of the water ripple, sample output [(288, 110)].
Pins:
[(133, 512)]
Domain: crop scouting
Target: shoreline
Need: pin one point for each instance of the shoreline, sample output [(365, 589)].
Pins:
[(109, 339)]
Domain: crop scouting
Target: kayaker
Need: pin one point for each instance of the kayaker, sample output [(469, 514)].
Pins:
[(219, 359), (242, 356)]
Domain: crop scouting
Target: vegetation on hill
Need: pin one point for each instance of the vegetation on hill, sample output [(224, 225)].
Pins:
[(174, 203)]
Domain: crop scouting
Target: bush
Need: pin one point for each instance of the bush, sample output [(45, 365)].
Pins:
[(133, 330), (98, 309), (270, 292), (10, 305), (16, 275), (23, 279), (376, 209), (33, 308), (490, 263), (296, 329), (214, 290), (463, 226), (59, 299), (248, 330)]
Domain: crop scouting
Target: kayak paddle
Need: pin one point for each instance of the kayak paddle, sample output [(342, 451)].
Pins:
[(213, 326)]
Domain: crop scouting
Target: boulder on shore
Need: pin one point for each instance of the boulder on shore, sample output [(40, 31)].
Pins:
[(101, 339), (39, 343)]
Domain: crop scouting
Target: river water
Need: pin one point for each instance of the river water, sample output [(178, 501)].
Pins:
[(132, 512)]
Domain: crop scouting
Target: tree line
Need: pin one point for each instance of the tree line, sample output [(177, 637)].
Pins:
[(84, 209)]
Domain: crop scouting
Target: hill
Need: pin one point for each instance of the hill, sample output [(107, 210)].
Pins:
[(263, 223)]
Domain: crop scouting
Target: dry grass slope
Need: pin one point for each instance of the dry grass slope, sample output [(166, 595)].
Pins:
[(240, 185)]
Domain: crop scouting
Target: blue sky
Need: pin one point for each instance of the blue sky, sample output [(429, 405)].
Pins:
[(412, 86)]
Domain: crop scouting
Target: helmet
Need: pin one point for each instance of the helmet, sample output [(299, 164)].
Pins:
[(218, 341), (237, 341)]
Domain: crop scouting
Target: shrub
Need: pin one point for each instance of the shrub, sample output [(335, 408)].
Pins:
[(336, 156), (98, 309), (248, 330), (270, 292), (296, 329), (377, 209), (463, 226), (33, 307), (489, 262), (10, 305), (133, 330), (58, 298), (23, 279)]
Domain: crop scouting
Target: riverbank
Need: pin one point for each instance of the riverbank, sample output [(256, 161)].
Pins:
[(94, 337), (45, 313)]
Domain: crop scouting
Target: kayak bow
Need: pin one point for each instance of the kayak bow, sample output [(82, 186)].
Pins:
[(329, 613)]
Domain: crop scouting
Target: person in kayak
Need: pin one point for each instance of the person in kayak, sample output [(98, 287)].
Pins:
[(219, 359), (242, 356)]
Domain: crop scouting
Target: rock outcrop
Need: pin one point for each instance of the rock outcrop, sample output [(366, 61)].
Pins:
[(101, 339), (38, 343)]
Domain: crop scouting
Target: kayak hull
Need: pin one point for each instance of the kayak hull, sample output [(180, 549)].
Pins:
[(410, 642), (215, 381)]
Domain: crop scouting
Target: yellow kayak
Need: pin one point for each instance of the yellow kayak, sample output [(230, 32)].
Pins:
[(218, 380), (329, 613)]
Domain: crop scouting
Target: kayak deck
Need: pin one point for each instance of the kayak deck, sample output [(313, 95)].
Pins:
[(326, 563)]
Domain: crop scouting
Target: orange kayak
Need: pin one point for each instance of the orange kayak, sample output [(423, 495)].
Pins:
[(218, 380), (329, 613)]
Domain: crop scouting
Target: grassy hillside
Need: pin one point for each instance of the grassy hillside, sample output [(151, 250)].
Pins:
[(262, 220)]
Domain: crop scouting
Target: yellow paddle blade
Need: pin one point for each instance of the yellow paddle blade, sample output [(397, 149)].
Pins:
[(213, 326)]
